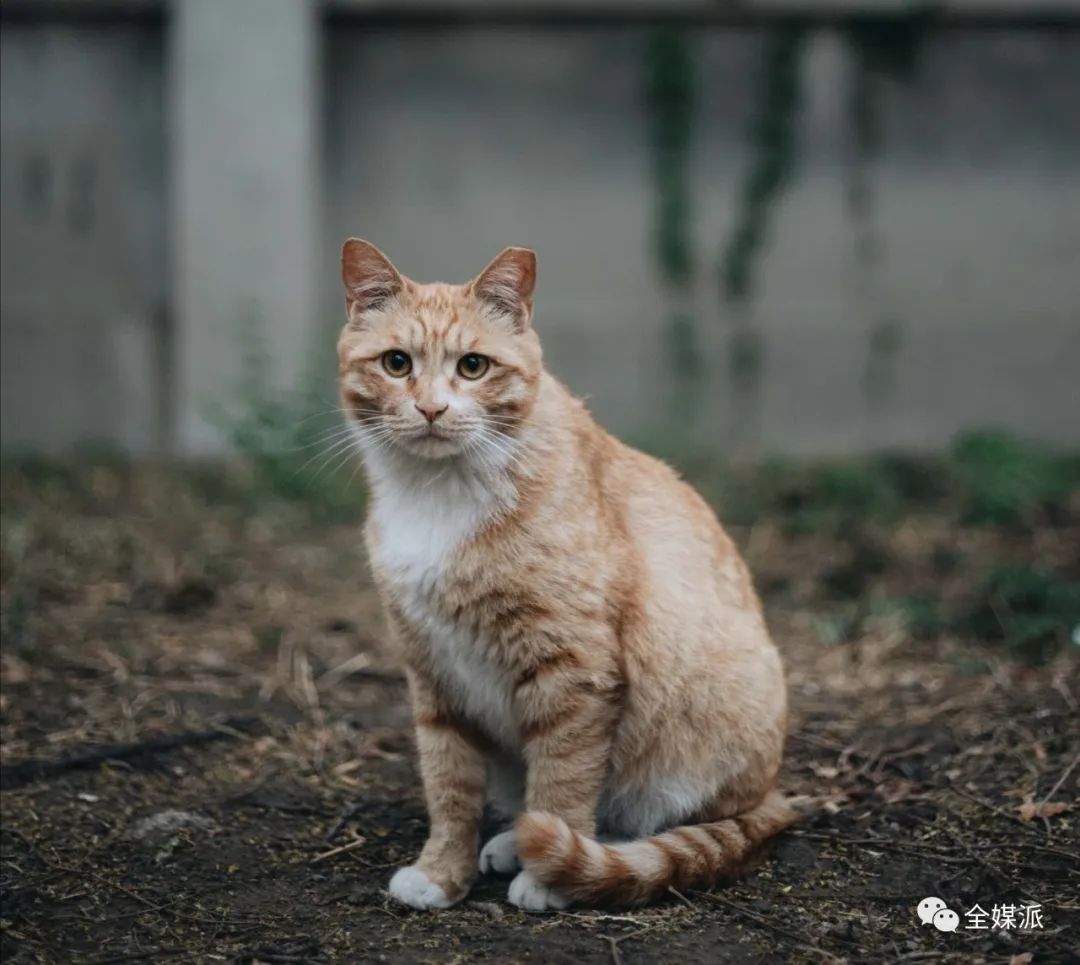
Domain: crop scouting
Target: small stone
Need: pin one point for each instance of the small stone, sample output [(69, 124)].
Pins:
[(490, 909), (168, 822)]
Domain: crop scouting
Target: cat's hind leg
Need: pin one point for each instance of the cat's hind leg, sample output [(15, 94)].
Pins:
[(500, 855), (506, 798)]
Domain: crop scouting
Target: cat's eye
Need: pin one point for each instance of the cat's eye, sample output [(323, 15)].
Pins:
[(472, 366), (396, 363)]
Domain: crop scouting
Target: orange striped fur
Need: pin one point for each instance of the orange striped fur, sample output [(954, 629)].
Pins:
[(637, 872), (584, 648)]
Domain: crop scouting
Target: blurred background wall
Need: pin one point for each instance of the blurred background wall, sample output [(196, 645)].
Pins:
[(805, 226)]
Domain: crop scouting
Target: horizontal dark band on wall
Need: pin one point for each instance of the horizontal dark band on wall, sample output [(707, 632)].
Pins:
[(957, 14)]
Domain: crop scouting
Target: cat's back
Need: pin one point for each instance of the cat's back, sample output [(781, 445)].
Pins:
[(682, 544)]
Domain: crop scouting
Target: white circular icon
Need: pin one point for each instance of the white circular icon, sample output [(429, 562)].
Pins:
[(929, 907), (946, 920)]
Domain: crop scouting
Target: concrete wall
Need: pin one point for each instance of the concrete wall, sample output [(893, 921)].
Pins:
[(83, 276), (442, 145), (244, 197), (445, 145)]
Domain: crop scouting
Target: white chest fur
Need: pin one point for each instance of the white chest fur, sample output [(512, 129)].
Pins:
[(423, 515), (470, 681)]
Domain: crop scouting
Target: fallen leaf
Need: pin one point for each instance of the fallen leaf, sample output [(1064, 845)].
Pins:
[(1029, 810), (1024, 958), (894, 791), (831, 801)]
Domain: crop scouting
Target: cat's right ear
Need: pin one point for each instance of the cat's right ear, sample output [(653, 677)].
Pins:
[(370, 279)]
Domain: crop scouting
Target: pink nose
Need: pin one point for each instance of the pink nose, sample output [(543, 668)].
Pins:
[(431, 410)]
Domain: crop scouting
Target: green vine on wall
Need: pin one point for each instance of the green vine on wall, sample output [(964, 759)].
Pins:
[(881, 49), (881, 45), (671, 103), (773, 144), (670, 82), (891, 43)]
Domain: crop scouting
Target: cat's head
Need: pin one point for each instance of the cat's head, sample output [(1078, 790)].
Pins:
[(438, 370)]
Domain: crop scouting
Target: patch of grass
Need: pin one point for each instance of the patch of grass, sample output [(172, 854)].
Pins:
[(16, 621), (850, 580), (1030, 612), (294, 440), (830, 495), (922, 615), (1005, 480), (295, 450), (988, 477), (922, 618), (824, 495), (1033, 613), (821, 496), (839, 625)]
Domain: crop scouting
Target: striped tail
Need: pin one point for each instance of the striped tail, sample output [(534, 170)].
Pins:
[(637, 872)]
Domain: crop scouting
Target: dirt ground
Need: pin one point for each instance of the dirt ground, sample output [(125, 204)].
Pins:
[(206, 754)]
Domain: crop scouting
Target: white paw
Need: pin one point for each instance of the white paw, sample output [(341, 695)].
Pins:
[(530, 895), (412, 887), (499, 856)]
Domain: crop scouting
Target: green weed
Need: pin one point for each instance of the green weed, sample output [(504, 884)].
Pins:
[(1005, 480), (294, 440), (1031, 612)]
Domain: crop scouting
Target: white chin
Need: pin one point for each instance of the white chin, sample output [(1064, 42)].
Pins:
[(433, 447)]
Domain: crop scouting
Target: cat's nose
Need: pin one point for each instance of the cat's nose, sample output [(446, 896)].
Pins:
[(431, 410)]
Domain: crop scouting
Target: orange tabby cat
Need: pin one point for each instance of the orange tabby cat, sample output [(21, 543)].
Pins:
[(583, 645)]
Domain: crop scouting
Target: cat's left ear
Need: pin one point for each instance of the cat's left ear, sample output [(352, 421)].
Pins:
[(507, 285)]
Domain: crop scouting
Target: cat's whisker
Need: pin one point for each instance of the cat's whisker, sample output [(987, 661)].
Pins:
[(330, 451), (346, 442), (377, 439), (329, 468), (502, 427), (379, 436), (434, 479), (489, 444), (488, 448), (318, 415), (323, 439), (506, 420), (356, 469), (507, 448), (495, 462), (493, 435), (339, 460)]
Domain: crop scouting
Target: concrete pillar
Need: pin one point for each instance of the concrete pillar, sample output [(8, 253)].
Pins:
[(245, 196)]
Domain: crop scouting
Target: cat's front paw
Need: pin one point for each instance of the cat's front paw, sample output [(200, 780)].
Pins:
[(530, 895), (500, 856), (412, 887)]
